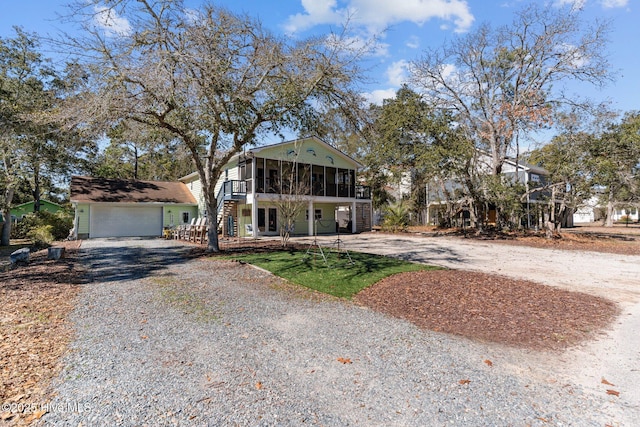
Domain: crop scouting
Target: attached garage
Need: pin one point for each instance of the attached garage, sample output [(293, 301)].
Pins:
[(125, 221), (108, 207)]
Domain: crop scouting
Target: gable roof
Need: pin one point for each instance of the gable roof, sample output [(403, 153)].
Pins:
[(86, 189), (255, 151), (329, 147), (42, 201)]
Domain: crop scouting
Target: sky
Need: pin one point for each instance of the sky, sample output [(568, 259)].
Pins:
[(405, 29)]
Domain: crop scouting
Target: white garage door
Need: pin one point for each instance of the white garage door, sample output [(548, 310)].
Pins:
[(124, 221)]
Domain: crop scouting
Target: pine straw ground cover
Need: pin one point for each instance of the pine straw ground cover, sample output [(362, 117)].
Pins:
[(491, 308), (34, 332)]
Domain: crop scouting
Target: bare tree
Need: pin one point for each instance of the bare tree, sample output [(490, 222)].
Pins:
[(213, 79), (503, 83), (293, 198)]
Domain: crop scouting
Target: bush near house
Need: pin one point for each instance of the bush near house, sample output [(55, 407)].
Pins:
[(43, 227)]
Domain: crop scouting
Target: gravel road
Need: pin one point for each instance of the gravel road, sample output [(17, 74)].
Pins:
[(162, 340)]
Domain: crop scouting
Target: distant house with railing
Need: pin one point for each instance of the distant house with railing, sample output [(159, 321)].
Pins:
[(254, 183)]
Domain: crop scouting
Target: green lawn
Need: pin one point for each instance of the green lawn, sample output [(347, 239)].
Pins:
[(337, 277)]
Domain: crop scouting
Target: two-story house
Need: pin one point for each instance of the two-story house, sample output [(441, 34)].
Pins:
[(254, 184), (530, 176)]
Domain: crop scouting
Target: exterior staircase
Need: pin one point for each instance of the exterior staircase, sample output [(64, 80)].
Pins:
[(230, 194), (229, 226)]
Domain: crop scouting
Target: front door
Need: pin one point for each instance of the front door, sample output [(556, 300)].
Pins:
[(261, 219), (273, 219)]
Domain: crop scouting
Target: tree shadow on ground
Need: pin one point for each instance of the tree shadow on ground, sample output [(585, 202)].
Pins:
[(118, 263)]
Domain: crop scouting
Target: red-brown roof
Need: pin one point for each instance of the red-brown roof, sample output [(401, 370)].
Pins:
[(86, 189)]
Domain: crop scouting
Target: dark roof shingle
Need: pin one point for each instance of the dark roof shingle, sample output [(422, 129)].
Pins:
[(105, 190)]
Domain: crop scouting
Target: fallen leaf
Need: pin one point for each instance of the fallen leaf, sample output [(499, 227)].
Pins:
[(144, 337), (607, 383), (613, 392), (16, 398), (488, 362), (259, 385), (544, 420), (344, 361), (4, 416), (37, 415), (463, 382)]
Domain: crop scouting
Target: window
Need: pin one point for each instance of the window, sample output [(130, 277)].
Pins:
[(259, 175), (331, 181), (273, 175), (317, 180), (185, 217), (261, 219), (317, 214)]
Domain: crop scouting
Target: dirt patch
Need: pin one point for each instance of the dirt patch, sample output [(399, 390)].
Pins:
[(615, 240), (491, 308), (34, 332)]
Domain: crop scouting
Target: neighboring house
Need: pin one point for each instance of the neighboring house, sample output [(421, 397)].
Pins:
[(19, 211), (629, 214), (530, 176), (590, 211), (249, 190), (120, 208)]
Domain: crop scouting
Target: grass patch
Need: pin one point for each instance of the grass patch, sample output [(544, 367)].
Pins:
[(176, 294), (337, 277)]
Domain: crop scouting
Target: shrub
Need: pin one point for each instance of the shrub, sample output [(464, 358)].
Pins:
[(396, 217), (59, 224), (41, 235)]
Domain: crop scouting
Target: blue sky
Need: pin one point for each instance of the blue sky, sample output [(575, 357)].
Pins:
[(412, 25)]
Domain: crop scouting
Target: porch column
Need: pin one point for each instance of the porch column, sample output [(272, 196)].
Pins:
[(254, 215), (353, 218), (311, 218)]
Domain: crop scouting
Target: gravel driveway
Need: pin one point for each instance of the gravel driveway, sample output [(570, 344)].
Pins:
[(163, 340)]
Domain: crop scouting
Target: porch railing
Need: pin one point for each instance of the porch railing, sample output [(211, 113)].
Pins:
[(230, 190)]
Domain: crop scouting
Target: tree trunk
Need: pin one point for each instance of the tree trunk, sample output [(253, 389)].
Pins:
[(135, 161), (608, 222), (212, 234), (6, 228), (550, 222), (5, 237), (36, 190), (212, 214)]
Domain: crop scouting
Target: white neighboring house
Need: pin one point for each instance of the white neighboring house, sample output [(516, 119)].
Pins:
[(586, 213), (628, 213)]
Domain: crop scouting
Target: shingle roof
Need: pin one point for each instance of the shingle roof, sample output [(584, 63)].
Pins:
[(103, 190)]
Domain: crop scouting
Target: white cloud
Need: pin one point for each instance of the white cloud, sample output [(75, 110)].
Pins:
[(112, 24), (397, 72), (574, 4), (376, 15), (378, 96), (413, 42), (579, 4), (608, 4), (317, 12)]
